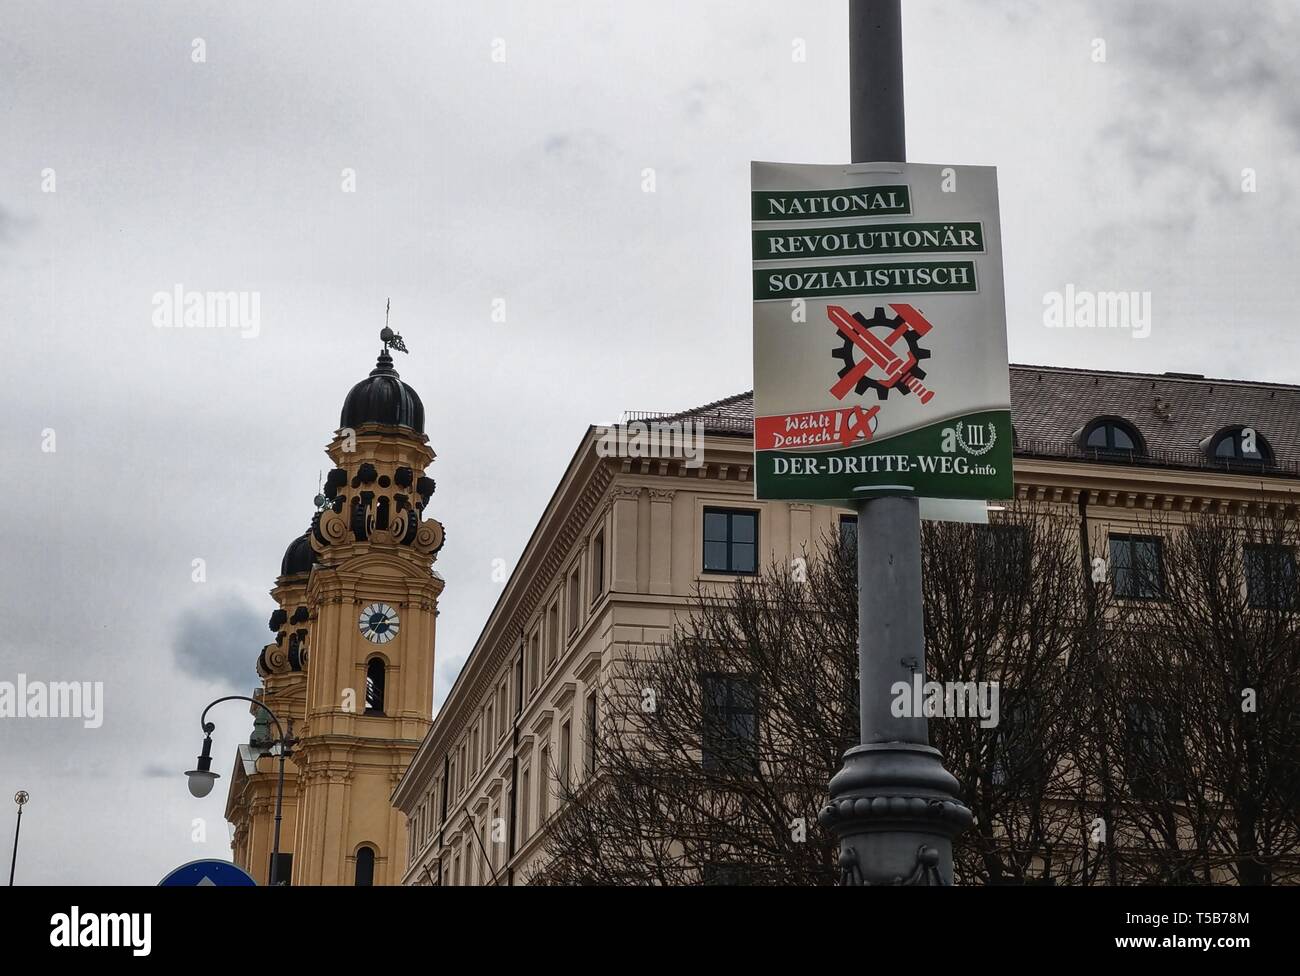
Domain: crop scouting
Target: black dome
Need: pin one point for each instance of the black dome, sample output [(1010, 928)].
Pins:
[(298, 558), (382, 398)]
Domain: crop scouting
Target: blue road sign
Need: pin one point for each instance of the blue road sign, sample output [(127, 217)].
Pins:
[(198, 874)]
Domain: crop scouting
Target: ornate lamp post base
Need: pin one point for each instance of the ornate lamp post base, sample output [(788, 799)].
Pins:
[(895, 811)]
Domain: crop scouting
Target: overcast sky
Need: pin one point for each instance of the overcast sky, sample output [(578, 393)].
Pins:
[(521, 180)]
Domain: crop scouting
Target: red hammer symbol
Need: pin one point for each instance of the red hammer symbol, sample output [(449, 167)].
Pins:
[(880, 352)]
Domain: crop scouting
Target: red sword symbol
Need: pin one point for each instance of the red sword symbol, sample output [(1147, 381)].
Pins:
[(878, 352)]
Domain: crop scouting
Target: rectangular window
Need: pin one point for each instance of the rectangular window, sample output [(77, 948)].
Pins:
[(566, 746), (503, 705), (519, 684), (543, 785), (1154, 755), (730, 724), (1270, 576), (591, 733), (730, 541), (1017, 749), (727, 873), (525, 797), (598, 566), (849, 534), (1002, 551), (534, 664), (574, 601), (552, 634), (1137, 567)]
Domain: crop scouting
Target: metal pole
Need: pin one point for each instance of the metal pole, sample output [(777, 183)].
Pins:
[(13, 862), (893, 806), (876, 127), (286, 740), (279, 803)]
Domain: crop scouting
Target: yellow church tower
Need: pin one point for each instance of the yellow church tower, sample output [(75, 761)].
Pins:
[(353, 660)]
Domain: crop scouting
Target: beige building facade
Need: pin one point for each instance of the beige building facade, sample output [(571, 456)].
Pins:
[(626, 539)]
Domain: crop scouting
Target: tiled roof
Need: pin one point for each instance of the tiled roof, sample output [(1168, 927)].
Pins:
[(1175, 413), (730, 415)]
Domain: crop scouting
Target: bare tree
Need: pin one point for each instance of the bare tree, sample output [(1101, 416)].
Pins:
[(717, 745), (1006, 605), (1203, 693)]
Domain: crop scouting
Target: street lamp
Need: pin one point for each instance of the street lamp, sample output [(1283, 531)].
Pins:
[(893, 807), (202, 778), (21, 797)]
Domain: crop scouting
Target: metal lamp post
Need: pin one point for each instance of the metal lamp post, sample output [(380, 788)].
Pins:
[(21, 798), (202, 778), (893, 806)]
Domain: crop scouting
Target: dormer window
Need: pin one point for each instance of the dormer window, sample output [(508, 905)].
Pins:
[(1112, 436), (1239, 444)]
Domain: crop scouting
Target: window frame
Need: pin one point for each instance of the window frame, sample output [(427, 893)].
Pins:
[(1131, 539), (564, 772), (1233, 435), (1139, 448), (382, 686), (573, 601), (591, 718), (1001, 546), (843, 523), (598, 565), (733, 760), (553, 633), (729, 512), (370, 849), (1250, 571)]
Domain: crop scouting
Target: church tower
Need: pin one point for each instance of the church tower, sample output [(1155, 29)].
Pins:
[(357, 628)]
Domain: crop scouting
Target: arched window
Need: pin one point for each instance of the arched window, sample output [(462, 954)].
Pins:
[(365, 866), (1242, 444), (375, 687), (1110, 435)]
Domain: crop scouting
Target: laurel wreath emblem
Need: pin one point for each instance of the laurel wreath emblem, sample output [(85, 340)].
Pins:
[(977, 452)]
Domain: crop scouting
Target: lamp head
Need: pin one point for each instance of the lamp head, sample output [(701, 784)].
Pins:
[(201, 781), (202, 778)]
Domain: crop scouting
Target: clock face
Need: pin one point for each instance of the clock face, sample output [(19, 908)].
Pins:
[(378, 623)]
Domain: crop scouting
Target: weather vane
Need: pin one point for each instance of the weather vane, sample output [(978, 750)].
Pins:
[(390, 338)]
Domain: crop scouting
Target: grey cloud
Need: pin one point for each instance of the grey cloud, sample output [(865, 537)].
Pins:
[(1226, 61), (219, 640)]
